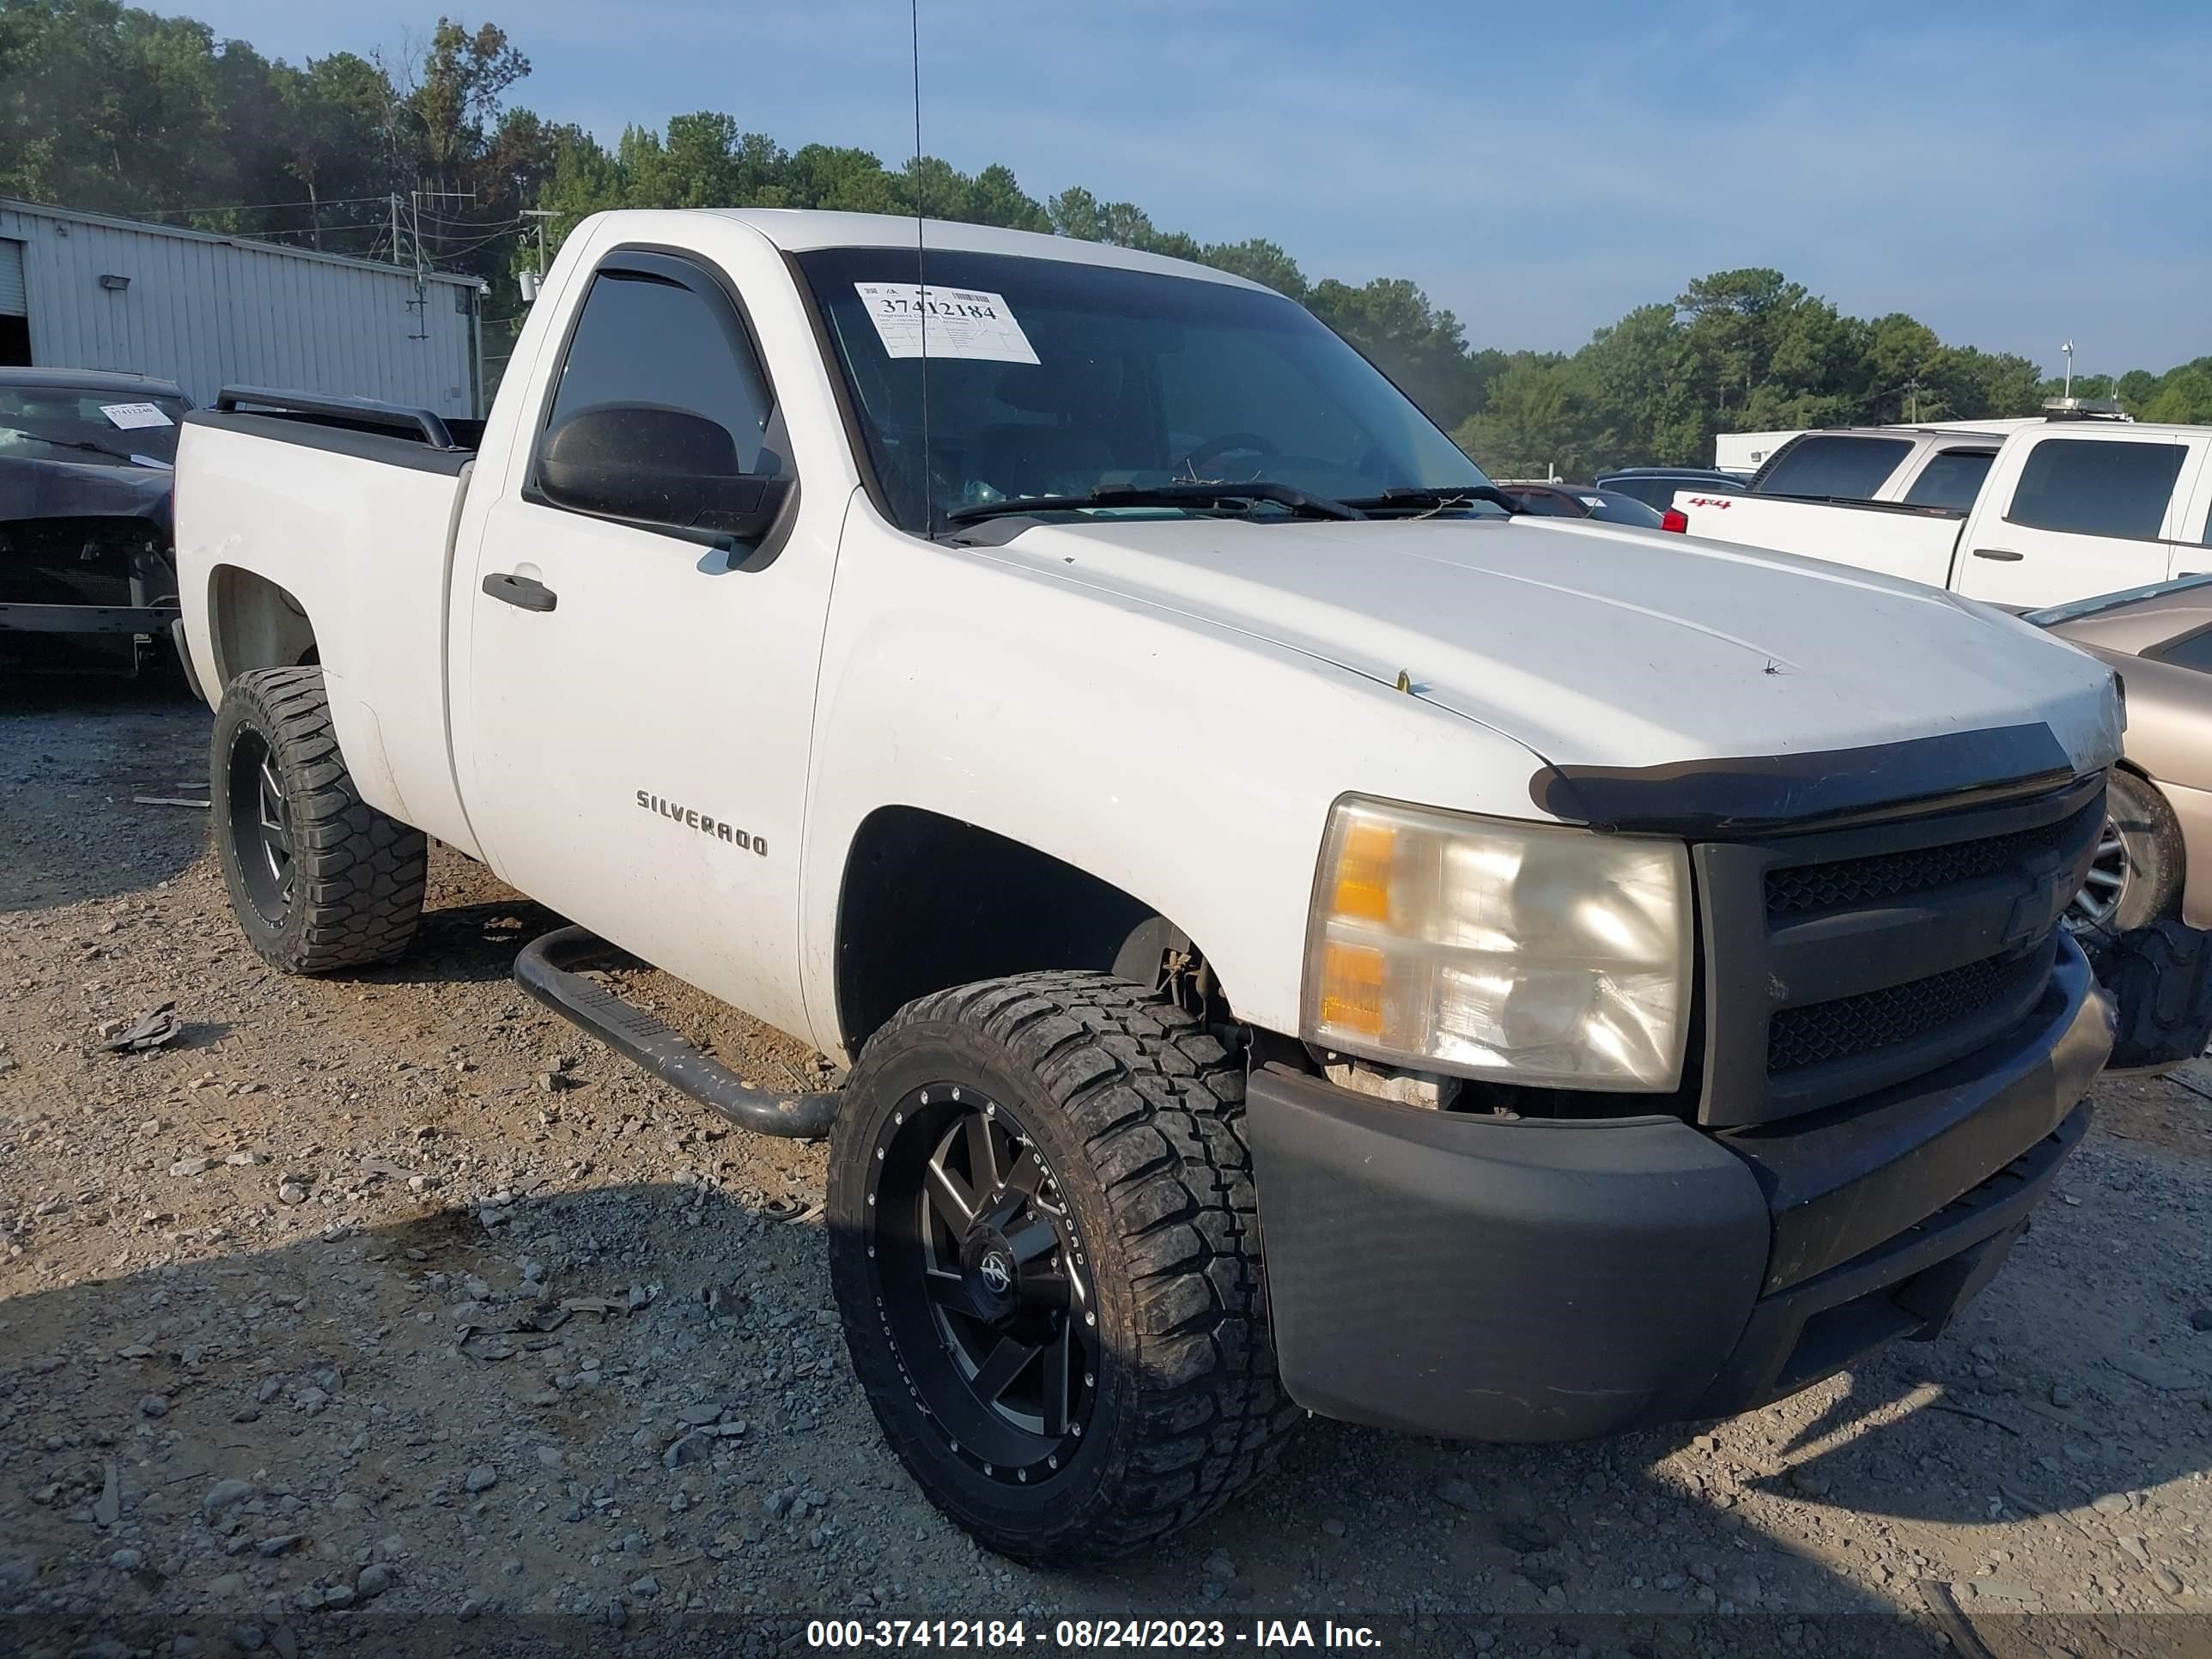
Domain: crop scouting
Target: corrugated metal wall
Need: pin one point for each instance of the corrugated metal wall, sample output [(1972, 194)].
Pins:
[(11, 278), (206, 313)]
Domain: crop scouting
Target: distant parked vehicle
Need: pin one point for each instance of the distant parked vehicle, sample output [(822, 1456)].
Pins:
[(88, 576), (1655, 486), (1920, 466), (2055, 511), (1550, 501), (2154, 859)]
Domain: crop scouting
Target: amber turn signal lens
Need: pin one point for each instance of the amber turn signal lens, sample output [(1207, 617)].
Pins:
[(1351, 987), (1363, 872)]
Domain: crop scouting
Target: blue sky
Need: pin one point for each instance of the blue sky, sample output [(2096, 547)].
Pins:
[(2011, 174)]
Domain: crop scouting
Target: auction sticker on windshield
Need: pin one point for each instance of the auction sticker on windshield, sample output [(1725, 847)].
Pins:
[(131, 417), (956, 322)]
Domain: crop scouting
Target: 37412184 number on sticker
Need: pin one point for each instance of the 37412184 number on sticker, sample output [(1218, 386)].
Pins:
[(946, 322)]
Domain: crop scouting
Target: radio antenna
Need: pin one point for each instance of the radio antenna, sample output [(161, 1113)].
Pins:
[(920, 270)]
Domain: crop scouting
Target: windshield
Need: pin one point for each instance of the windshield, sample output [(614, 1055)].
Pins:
[(1050, 378), (97, 428)]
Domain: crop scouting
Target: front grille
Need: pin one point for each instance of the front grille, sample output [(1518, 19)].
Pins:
[(1851, 883), (1846, 962), (72, 561), (1851, 1026)]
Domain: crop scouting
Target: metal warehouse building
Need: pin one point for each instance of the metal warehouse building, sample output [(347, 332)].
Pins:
[(81, 290)]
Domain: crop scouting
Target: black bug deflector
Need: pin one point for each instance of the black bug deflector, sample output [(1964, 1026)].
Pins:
[(1743, 795), (637, 1035)]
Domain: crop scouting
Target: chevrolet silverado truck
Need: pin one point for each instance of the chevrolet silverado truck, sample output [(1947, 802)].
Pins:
[(1289, 932), (2051, 511)]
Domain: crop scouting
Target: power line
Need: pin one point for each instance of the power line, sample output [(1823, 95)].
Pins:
[(254, 207), (457, 252)]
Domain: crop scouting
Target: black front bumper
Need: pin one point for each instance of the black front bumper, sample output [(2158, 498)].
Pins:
[(1544, 1279), (71, 610)]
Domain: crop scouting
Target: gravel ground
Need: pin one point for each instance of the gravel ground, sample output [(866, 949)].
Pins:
[(389, 1310)]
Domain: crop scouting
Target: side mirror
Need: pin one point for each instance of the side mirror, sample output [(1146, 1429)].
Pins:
[(657, 466)]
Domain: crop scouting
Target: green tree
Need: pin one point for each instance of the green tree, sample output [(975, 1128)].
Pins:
[(1536, 419), (1637, 380), (1422, 349), (1076, 212), (996, 198), (461, 82), (333, 115), (1257, 260), (2186, 396), (1974, 385), (842, 179)]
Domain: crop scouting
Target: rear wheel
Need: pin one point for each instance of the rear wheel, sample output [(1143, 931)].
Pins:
[(2135, 877), (1045, 1247), (318, 879)]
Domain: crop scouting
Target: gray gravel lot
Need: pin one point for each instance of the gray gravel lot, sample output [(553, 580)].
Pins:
[(389, 1309)]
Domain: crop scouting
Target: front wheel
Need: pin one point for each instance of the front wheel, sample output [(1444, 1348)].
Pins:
[(1045, 1249)]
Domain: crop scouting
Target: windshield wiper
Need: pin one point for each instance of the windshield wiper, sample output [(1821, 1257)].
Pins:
[(1297, 502), (77, 443), (1434, 501)]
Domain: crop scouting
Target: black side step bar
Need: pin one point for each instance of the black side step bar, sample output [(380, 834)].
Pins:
[(633, 1032)]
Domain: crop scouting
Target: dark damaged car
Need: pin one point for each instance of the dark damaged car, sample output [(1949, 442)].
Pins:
[(87, 575)]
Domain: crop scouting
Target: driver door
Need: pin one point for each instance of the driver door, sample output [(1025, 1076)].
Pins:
[(640, 696)]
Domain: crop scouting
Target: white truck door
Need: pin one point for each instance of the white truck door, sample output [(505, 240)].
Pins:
[(2191, 531), (639, 698), (2071, 512)]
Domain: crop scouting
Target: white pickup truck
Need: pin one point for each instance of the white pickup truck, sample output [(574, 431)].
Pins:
[(1301, 934), (2053, 512)]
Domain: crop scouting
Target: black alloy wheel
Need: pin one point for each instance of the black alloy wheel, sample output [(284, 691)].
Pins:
[(1044, 1242), (261, 826), (983, 1277)]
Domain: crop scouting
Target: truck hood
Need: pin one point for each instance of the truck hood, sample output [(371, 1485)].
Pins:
[(1614, 653)]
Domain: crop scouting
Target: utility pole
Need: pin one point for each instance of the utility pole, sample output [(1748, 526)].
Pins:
[(395, 227), (420, 303), (541, 214)]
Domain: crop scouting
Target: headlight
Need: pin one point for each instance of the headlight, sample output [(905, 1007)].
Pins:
[(1531, 953)]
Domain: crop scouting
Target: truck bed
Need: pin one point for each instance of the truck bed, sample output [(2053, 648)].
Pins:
[(1916, 542), (349, 507)]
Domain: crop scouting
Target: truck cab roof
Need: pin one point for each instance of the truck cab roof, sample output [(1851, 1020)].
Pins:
[(803, 230)]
